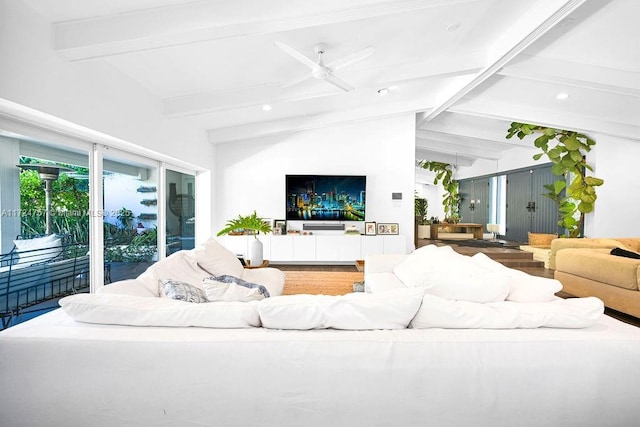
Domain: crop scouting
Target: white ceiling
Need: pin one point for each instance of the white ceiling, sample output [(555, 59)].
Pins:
[(465, 67)]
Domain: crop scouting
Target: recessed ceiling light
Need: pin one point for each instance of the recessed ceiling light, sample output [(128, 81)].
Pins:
[(383, 91), (266, 107), (562, 96)]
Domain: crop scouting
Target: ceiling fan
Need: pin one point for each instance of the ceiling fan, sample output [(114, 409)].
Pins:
[(322, 71)]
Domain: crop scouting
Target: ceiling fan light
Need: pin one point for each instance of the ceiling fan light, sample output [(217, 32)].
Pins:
[(266, 107), (562, 96), (320, 73)]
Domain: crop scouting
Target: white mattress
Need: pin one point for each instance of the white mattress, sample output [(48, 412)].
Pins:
[(58, 372)]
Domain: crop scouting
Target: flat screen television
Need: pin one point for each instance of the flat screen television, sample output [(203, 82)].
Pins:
[(326, 197)]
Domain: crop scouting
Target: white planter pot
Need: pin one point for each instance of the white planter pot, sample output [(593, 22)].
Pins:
[(424, 232), (255, 252)]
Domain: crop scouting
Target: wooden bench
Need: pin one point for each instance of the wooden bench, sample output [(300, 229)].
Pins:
[(476, 229)]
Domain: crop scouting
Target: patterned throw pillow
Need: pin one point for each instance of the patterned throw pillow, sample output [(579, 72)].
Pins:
[(183, 291), (225, 278)]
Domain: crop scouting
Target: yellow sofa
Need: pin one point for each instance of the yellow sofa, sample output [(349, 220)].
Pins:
[(585, 267)]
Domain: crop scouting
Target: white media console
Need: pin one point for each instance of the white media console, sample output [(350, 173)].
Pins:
[(317, 248)]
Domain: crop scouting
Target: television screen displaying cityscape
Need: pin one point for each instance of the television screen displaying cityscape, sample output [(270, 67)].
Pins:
[(326, 197)]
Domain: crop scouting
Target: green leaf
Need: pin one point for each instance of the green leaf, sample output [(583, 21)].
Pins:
[(593, 181), (558, 169), (585, 207), (541, 141), (576, 156), (538, 156), (572, 143), (558, 186)]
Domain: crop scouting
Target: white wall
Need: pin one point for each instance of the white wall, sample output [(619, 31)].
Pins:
[(515, 158), (618, 205), (251, 175), (92, 94)]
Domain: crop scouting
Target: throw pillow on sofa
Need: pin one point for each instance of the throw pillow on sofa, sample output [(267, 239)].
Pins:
[(448, 274), (229, 288), (218, 260), (624, 253), (183, 291)]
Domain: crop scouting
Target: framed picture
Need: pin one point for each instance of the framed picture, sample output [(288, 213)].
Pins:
[(370, 228), (279, 226), (387, 228)]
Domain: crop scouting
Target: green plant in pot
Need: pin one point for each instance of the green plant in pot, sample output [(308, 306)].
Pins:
[(421, 206), (249, 224)]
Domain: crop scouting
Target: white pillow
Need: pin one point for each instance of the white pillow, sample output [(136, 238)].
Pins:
[(450, 275), (115, 309), (522, 286), (39, 249), (392, 309), (218, 260), (181, 266), (221, 291)]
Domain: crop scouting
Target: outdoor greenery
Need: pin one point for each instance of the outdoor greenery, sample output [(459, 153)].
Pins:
[(69, 204), (69, 216), (451, 197), (567, 153), (244, 224)]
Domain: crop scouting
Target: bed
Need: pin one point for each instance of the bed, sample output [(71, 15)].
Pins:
[(57, 371)]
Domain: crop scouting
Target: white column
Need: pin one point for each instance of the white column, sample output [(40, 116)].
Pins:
[(9, 192), (96, 227)]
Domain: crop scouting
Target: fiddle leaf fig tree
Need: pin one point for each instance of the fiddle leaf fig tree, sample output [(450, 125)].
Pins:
[(566, 150), (451, 197)]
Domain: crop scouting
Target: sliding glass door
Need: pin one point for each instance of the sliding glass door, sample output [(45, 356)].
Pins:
[(130, 206), (180, 210)]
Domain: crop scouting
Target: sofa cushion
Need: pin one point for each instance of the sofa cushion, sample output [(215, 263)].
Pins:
[(436, 312), (392, 309), (599, 265), (115, 309)]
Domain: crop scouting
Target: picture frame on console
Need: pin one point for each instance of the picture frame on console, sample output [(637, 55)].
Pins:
[(279, 226), (387, 228), (370, 228)]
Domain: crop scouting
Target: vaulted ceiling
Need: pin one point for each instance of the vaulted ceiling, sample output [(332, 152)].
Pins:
[(466, 68)]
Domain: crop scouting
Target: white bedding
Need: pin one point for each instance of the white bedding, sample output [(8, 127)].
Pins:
[(55, 371)]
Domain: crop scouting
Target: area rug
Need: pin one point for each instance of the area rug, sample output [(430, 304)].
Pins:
[(320, 282)]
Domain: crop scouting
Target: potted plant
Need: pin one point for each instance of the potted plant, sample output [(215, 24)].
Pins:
[(250, 224), (421, 205)]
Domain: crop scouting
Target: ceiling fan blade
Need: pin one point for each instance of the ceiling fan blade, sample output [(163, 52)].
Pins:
[(350, 59), (339, 83), (296, 81), (295, 54)]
